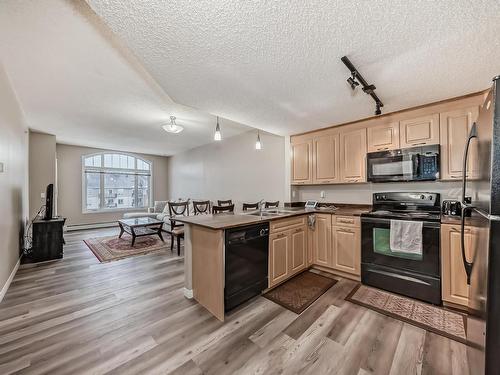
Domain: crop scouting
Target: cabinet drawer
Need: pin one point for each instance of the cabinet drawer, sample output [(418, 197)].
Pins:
[(286, 224), (346, 221)]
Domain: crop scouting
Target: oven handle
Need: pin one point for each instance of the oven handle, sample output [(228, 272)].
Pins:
[(372, 220)]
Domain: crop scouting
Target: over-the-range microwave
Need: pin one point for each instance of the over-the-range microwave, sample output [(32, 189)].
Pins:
[(407, 164)]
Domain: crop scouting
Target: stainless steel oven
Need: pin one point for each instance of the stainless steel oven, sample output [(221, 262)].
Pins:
[(407, 164), (413, 275)]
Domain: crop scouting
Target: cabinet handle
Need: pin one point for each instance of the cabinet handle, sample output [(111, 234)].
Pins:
[(419, 144), (298, 230), (356, 180), (382, 148), (346, 230), (456, 176), (345, 221), (281, 235)]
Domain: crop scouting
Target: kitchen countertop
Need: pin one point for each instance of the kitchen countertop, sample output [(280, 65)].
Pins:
[(238, 219)]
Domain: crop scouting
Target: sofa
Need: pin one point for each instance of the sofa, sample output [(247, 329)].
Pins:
[(159, 211)]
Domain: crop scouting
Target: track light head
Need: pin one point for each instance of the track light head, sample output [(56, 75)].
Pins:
[(352, 82), (378, 110)]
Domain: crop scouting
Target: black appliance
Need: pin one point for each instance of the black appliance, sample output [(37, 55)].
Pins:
[(246, 263), (413, 275), (49, 202), (481, 199), (407, 164), (451, 208)]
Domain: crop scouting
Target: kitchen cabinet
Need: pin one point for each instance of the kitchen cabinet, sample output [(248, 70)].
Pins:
[(298, 251), (302, 155), (454, 128), (288, 249), (326, 155), (279, 251), (453, 277), (419, 131), (383, 137), (322, 255), (353, 156), (346, 249)]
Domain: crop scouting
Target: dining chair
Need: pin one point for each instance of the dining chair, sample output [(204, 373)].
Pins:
[(272, 204), (201, 207), (225, 203), (176, 230), (250, 206), (218, 209)]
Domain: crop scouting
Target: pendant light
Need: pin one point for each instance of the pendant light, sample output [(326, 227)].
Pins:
[(172, 127), (217, 134), (258, 143)]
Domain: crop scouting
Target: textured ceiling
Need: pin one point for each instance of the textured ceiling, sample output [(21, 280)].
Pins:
[(76, 80), (275, 65)]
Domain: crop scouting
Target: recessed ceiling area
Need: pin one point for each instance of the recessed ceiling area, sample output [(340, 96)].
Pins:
[(75, 79), (275, 65)]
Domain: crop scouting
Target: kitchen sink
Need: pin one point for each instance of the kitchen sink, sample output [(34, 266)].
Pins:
[(275, 212)]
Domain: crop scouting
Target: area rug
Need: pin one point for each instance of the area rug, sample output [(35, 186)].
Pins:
[(298, 293), (113, 248), (429, 317)]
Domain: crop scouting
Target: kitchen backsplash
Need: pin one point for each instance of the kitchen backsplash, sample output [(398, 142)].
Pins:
[(362, 193)]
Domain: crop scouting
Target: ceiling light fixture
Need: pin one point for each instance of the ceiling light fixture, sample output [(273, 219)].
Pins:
[(173, 127), (217, 134), (258, 143)]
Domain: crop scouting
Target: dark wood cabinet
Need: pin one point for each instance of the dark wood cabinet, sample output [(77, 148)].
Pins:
[(48, 240)]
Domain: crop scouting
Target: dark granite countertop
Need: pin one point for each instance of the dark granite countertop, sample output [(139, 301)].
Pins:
[(238, 219)]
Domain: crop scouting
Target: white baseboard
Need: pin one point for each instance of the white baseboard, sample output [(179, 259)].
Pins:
[(69, 228), (188, 293), (9, 280)]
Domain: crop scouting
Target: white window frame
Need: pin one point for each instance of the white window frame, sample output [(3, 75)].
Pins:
[(103, 169)]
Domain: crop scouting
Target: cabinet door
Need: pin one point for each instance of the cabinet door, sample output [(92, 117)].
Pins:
[(454, 278), (298, 250), (353, 156), (346, 249), (326, 159), (383, 137), (419, 131), (279, 249), (302, 162), (455, 127), (322, 240)]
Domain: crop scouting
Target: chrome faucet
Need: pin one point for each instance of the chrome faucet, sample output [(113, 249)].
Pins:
[(261, 207)]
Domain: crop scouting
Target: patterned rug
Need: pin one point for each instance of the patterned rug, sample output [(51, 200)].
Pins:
[(111, 248), (298, 293), (432, 318)]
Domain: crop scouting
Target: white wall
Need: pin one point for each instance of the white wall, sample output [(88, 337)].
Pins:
[(231, 169), (362, 193), (13, 183)]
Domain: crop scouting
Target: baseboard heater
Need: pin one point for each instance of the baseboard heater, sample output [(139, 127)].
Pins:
[(109, 224)]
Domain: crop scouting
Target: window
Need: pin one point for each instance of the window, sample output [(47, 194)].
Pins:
[(115, 181)]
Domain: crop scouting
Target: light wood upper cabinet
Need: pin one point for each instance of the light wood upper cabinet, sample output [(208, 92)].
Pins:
[(353, 156), (419, 131), (346, 249), (454, 278), (279, 251), (326, 159), (322, 254), (383, 137), (298, 252), (454, 127), (302, 155)]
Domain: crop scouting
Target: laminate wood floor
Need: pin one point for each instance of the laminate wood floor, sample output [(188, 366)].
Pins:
[(79, 316)]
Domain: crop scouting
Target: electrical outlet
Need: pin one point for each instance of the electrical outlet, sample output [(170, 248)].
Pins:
[(322, 194)]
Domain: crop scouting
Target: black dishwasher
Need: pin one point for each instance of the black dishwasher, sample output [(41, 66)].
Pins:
[(246, 262)]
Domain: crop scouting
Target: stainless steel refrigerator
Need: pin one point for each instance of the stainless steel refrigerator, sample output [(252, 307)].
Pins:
[(481, 200)]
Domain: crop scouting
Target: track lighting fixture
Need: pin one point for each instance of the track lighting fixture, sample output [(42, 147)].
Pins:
[(356, 79)]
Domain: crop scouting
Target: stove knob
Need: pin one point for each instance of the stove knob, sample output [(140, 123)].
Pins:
[(422, 196)]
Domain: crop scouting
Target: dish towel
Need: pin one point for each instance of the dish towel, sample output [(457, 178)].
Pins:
[(406, 236)]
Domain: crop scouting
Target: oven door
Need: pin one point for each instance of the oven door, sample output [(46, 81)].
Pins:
[(376, 250)]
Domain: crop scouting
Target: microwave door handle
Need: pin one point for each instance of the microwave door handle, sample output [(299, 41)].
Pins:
[(415, 164), (467, 265), (472, 134)]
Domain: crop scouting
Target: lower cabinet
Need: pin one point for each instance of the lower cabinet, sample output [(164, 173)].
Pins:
[(287, 254), (322, 254), (453, 277), (346, 249)]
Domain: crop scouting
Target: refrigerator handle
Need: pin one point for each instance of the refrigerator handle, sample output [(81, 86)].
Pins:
[(472, 134), (467, 265)]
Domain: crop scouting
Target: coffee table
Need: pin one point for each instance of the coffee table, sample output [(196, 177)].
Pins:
[(141, 226)]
